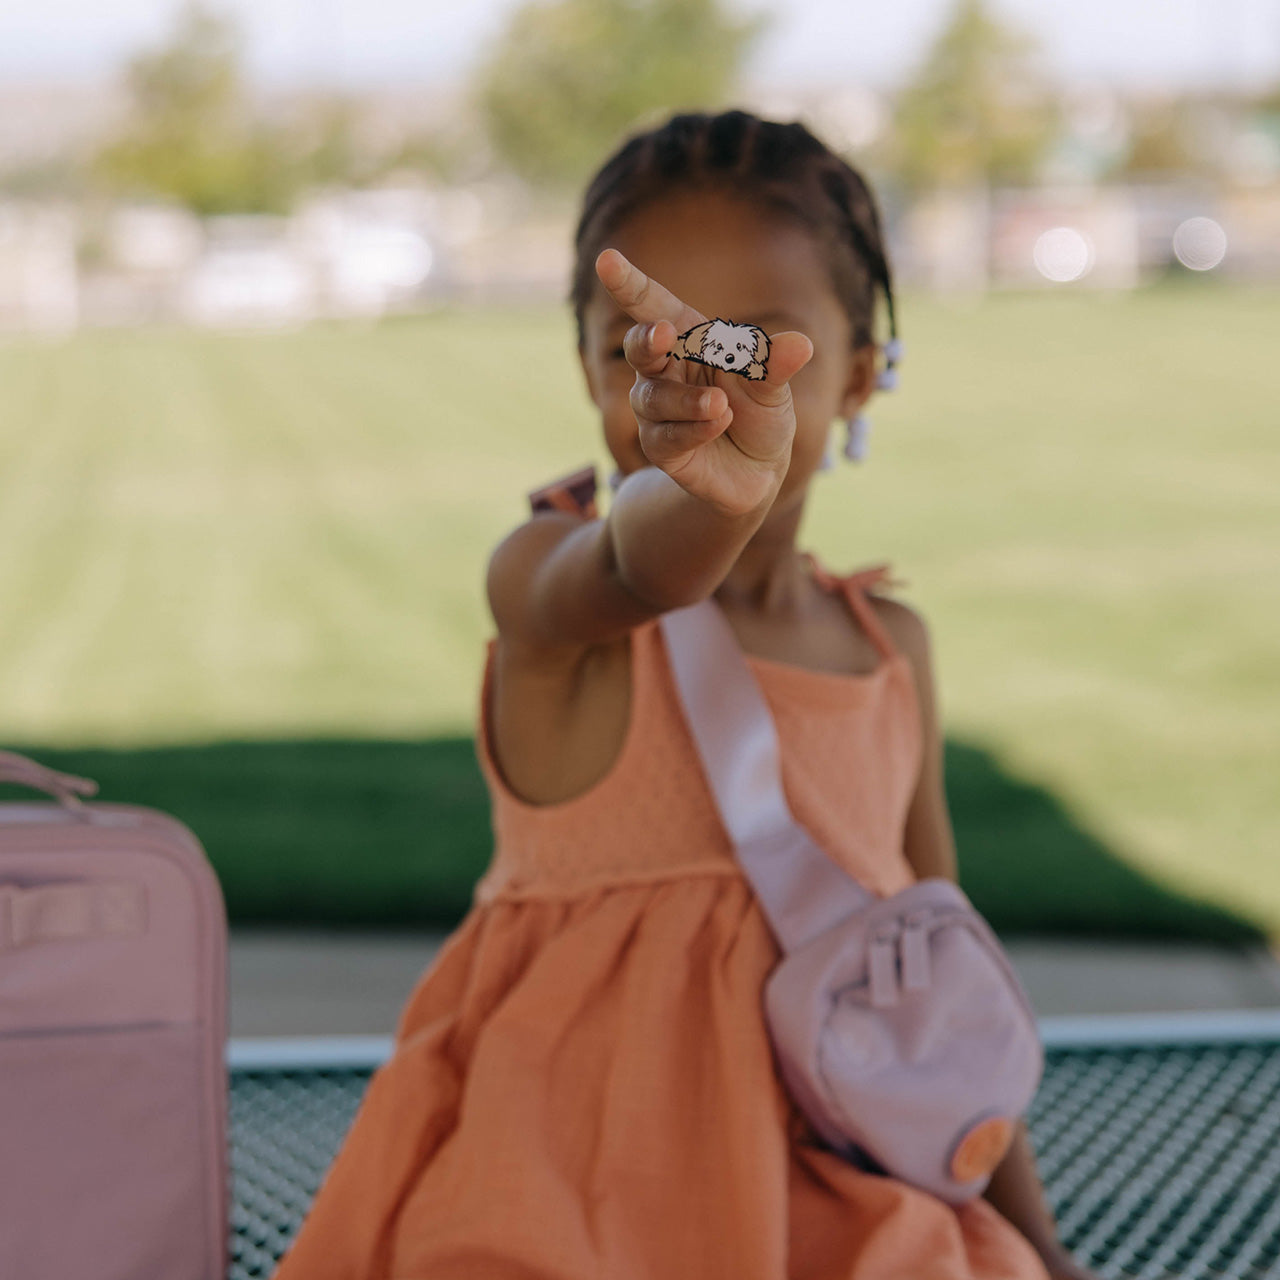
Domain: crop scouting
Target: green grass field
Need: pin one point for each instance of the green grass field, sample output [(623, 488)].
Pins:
[(256, 538)]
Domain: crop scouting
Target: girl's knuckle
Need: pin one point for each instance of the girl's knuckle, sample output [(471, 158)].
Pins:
[(650, 398)]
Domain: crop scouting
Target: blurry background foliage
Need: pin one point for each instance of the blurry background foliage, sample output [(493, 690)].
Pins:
[(566, 81), (558, 89), (195, 136), (562, 84), (190, 136), (978, 109)]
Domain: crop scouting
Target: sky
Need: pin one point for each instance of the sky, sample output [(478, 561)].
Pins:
[(355, 43)]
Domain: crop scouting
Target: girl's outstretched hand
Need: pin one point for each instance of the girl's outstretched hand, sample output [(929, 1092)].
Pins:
[(722, 438)]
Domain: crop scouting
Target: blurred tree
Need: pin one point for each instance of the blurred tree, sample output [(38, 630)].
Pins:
[(190, 136), (193, 136), (1161, 139), (567, 79), (977, 110), (451, 148), (328, 143)]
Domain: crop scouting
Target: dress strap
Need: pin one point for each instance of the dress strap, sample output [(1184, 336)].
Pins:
[(574, 493), (855, 585)]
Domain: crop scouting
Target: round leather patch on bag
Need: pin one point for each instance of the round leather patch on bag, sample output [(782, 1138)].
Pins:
[(982, 1148)]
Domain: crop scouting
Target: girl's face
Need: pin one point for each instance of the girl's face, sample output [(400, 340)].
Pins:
[(730, 258)]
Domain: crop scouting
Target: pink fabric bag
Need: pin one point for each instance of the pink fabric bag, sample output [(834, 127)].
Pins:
[(901, 1029), (113, 1027)]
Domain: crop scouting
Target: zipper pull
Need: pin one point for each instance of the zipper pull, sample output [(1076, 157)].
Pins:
[(915, 954), (882, 970)]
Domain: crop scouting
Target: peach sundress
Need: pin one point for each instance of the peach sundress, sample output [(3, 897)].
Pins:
[(582, 1085)]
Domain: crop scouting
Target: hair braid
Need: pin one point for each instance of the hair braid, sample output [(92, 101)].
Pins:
[(867, 204)]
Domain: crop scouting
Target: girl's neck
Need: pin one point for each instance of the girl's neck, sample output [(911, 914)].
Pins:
[(769, 575)]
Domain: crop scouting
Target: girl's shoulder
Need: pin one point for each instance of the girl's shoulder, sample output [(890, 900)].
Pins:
[(909, 633), (905, 624), (902, 622)]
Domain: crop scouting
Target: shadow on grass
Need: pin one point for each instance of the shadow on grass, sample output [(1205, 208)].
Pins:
[(394, 834)]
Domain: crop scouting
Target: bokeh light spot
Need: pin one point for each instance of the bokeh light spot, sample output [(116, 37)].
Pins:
[(1062, 254), (1200, 244)]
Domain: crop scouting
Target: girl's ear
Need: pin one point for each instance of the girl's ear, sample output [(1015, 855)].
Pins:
[(861, 380)]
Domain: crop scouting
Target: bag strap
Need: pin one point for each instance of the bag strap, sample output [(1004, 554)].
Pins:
[(802, 891), (24, 772)]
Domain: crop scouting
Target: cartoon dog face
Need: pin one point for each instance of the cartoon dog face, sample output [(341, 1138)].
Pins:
[(735, 348)]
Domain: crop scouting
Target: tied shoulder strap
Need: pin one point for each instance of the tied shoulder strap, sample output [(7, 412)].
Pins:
[(802, 891), (872, 576), (854, 587), (830, 581)]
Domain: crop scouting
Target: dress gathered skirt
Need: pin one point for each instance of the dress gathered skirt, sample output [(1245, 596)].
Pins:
[(582, 1086)]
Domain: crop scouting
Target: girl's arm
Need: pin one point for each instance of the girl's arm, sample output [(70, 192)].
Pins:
[(1015, 1188), (559, 583), (719, 446)]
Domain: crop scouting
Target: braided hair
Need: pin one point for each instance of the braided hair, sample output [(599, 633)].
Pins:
[(782, 166)]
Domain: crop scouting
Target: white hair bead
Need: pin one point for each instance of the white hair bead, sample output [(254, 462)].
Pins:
[(855, 447)]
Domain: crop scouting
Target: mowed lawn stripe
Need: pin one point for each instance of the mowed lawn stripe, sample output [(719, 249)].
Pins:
[(44, 436), (67, 562)]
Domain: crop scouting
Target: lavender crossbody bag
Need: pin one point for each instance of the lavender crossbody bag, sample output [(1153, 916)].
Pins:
[(900, 1027)]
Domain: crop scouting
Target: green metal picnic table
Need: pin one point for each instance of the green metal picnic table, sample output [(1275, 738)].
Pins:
[(1157, 1138)]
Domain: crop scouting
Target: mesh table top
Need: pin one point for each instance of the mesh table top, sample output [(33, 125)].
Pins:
[(1159, 1158)]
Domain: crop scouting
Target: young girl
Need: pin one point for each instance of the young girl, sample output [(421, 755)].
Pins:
[(582, 1086)]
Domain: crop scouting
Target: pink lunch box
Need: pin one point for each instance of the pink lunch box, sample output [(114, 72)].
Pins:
[(113, 1028)]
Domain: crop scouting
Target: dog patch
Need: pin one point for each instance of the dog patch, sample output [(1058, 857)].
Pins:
[(735, 348)]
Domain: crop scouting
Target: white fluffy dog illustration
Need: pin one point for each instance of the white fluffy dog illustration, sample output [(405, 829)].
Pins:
[(735, 348)]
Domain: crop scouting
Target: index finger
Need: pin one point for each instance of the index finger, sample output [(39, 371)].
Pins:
[(640, 297)]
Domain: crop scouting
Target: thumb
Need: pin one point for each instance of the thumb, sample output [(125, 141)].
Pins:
[(789, 352)]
